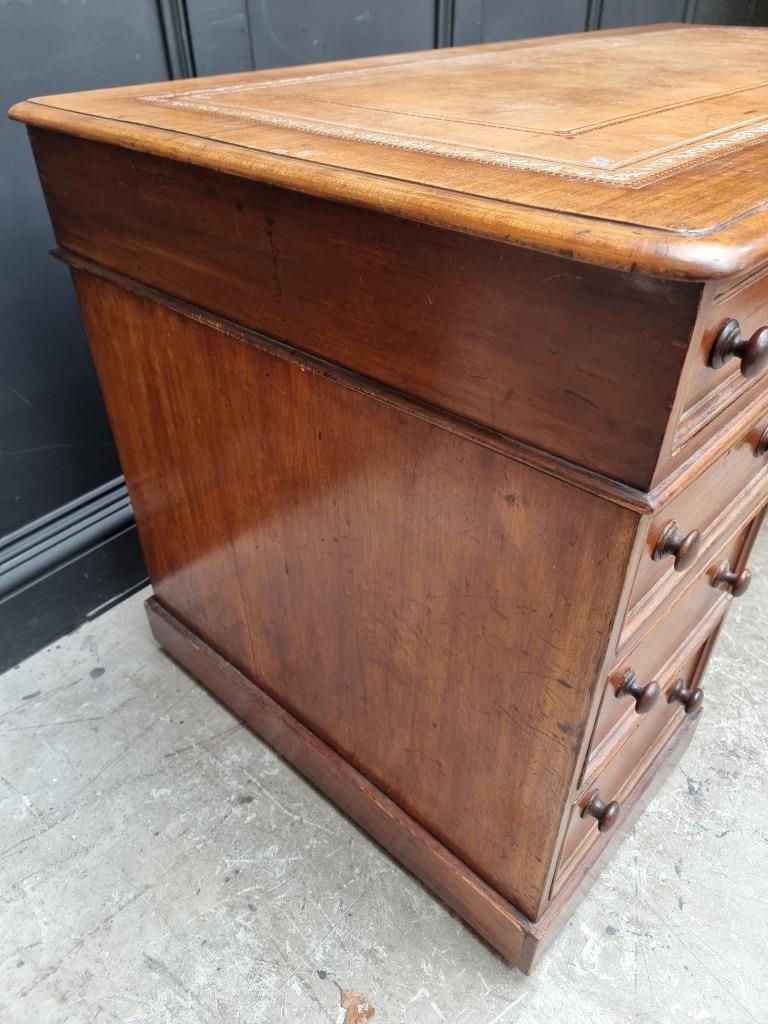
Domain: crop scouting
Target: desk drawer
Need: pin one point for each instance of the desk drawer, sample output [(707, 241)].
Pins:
[(695, 521), (709, 389), (650, 666), (695, 615), (598, 808)]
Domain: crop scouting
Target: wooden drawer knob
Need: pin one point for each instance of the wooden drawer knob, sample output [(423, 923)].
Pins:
[(761, 448), (672, 542), (738, 582), (752, 352), (690, 699), (605, 814), (646, 697)]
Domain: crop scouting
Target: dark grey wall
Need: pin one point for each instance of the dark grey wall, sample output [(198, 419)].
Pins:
[(66, 541), (486, 21), (55, 443), (54, 438), (235, 35)]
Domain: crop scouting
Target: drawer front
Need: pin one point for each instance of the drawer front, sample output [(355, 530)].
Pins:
[(696, 520), (710, 389), (696, 613), (614, 781), (631, 687)]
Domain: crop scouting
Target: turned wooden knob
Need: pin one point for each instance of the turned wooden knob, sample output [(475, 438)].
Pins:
[(672, 542), (761, 448), (605, 814), (738, 582), (690, 699), (752, 352), (646, 696)]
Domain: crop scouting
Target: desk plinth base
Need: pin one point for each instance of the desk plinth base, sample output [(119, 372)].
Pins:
[(518, 939)]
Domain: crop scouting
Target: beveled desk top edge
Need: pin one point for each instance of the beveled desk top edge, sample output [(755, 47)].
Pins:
[(600, 227)]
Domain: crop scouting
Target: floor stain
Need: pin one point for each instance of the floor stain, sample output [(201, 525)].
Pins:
[(358, 1007), (694, 786)]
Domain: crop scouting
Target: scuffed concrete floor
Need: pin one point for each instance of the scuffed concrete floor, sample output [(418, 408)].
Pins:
[(160, 864)]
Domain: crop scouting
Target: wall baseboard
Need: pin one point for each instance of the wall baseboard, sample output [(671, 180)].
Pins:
[(67, 567)]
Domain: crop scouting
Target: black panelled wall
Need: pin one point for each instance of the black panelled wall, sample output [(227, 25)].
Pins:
[(68, 546)]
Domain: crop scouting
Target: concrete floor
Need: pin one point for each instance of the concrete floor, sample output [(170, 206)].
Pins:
[(160, 864)]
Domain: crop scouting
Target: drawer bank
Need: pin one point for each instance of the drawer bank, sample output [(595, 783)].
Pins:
[(439, 385)]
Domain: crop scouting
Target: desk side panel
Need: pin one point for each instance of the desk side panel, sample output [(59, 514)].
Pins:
[(434, 611)]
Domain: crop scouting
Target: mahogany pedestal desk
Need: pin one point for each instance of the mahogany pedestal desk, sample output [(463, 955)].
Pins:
[(438, 383)]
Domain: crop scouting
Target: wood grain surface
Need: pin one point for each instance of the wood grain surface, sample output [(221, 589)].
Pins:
[(482, 908), (579, 361), (357, 563)]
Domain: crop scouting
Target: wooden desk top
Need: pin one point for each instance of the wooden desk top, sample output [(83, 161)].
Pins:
[(642, 149)]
